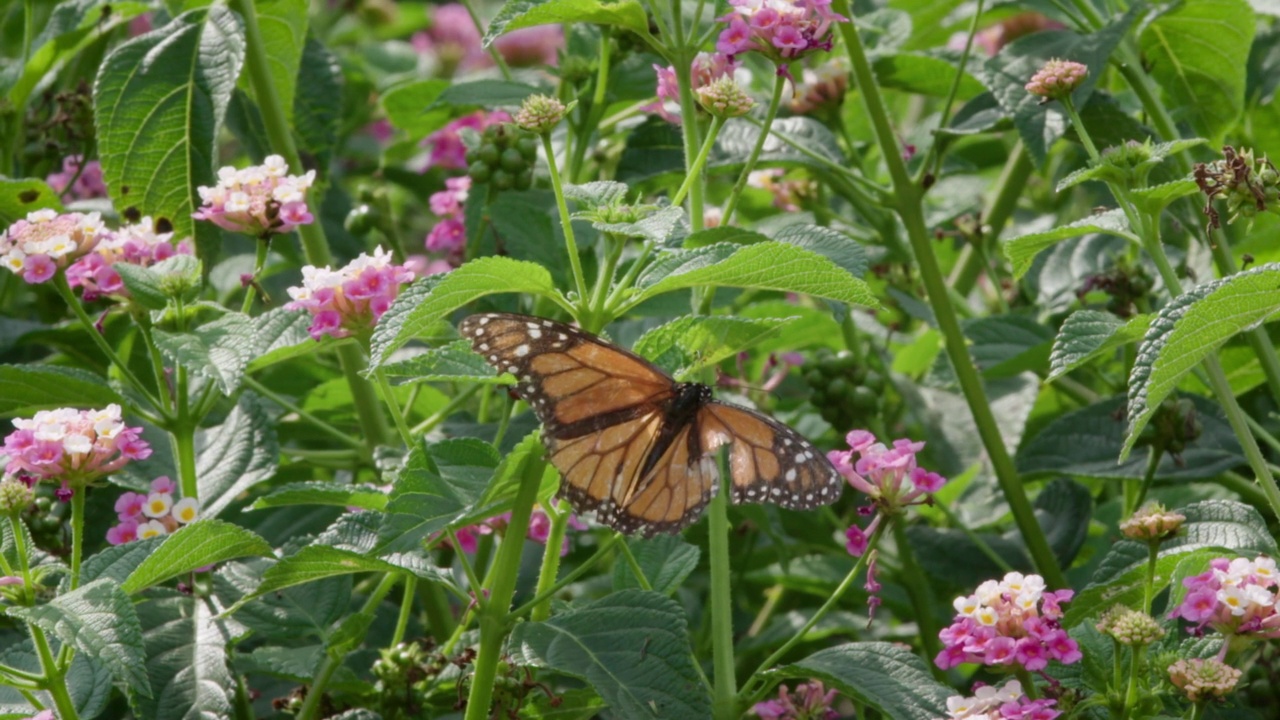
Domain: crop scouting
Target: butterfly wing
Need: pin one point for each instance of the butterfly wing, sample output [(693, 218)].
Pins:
[(768, 461)]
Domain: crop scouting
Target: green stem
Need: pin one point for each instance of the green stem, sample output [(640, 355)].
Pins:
[(1148, 479), (458, 401), (315, 693), (406, 610), (333, 432), (551, 558), (314, 244), (566, 224), (439, 614), (597, 316), (918, 590), (934, 159), (77, 533), (689, 125), (695, 171), (1131, 693), (1070, 108), (735, 195), (493, 49), (495, 616), (259, 260), (60, 284), (389, 397), (24, 562), (570, 577), (634, 565), (13, 673), (54, 678), (725, 688), (911, 212), (1149, 585)]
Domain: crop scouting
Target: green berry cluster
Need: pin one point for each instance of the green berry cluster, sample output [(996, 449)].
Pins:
[(505, 158), (845, 392)]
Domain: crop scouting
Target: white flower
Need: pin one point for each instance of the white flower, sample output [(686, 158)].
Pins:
[(157, 505), (150, 529), (186, 510), (77, 443)]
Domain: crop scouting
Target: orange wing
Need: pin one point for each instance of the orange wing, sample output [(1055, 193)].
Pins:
[(768, 461)]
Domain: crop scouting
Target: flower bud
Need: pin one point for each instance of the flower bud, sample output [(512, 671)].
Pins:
[(1057, 79), (725, 98), (540, 114), (15, 496), (1203, 679), (1130, 627), (1152, 523)]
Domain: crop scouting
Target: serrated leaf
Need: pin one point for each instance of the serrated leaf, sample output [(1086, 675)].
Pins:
[(1087, 334), (219, 350), (792, 141), (886, 676), (317, 562), (454, 362), (428, 496), (765, 266), (281, 335), (416, 311), (632, 647), (118, 561), (19, 197), (290, 614), (407, 107), (1129, 164), (484, 94), (159, 101), (516, 14), (283, 24), (203, 542), (317, 113), (1086, 443), (1199, 52), (658, 227), (597, 194), (1153, 200), (688, 344), (721, 235), (143, 285), (99, 620), (834, 245), (26, 389), (318, 492), (923, 75), (236, 455), (186, 660), (1190, 327), (665, 560), (1008, 344), (1022, 250), (501, 491)]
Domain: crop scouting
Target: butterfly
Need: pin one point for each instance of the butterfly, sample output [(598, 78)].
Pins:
[(635, 446)]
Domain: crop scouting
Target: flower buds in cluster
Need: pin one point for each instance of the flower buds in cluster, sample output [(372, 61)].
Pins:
[(810, 701), (725, 98), (37, 247), (137, 244), (540, 113), (706, 69), (1011, 622), (1152, 523), (152, 515), (1057, 79), (822, 88), (1129, 627), (504, 158), (1249, 185), (261, 200), (1204, 679), (447, 149), (351, 299), (74, 447)]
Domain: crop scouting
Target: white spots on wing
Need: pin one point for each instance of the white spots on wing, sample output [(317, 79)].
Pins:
[(546, 323), (493, 358), (479, 331), (561, 336), (791, 476), (484, 347), (522, 350), (484, 321)]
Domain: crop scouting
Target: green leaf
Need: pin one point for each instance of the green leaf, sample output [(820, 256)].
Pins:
[(118, 562), (407, 107), (765, 266), (159, 101), (1129, 164), (632, 647), (290, 614), (203, 542), (1007, 74), (659, 227), (25, 389), (1191, 327), (501, 491), (794, 141), (831, 244), (99, 620), (516, 14), (283, 25), (652, 149), (1199, 52), (317, 112), (597, 194), (143, 285), (1008, 344), (1153, 200), (1087, 334), (427, 496), (1086, 443), (317, 562), (19, 197), (886, 676), (923, 75), (484, 94), (690, 343), (236, 455), (186, 660), (318, 492), (454, 362), (723, 234), (219, 350), (414, 312), (665, 560), (1022, 250), (281, 335)]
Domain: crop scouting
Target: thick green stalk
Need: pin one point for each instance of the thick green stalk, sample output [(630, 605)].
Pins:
[(315, 693), (55, 679), (694, 173), (314, 243), (910, 209), (735, 195), (495, 616), (725, 688), (406, 609), (921, 596), (77, 534), (689, 128), (551, 559)]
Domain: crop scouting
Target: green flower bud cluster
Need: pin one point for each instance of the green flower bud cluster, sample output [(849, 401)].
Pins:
[(1130, 627), (844, 391), (504, 158), (15, 496), (1249, 185)]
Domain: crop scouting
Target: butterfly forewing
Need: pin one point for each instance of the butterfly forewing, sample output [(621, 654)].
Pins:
[(631, 443)]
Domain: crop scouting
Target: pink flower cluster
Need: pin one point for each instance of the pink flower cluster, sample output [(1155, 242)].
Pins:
[(446, 147), (811, 701), (1234, 597), (1006, 702), (260, 200), (539, 530), (449, 236), (889, 476), (153, 515), (137, 244), (87, 186), (37, 247), (1057, 79), (350, 299), (1011, 622), (72, 446), (705, 69), (783, 30), (456, 45)]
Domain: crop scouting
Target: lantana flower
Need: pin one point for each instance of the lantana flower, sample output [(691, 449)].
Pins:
[(86, 185), (706, 69), (809, 701), (1006, 702), (1207, 679), (350, 299), (260, 200), (782, 30), (1014, 621), (449, 236), (151, 515), (1057, 79), (46, 241), (135, 244), (72, 447), (1235, 597)]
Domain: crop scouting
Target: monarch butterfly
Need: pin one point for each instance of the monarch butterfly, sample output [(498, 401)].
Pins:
[(633, 444)]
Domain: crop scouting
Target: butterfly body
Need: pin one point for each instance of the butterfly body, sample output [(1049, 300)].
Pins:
[(633, 444)]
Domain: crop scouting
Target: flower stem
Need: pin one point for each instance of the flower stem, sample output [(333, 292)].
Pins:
[(910, 210), (55, 680), (60, 283), (566, 225), (259, 260), (689, 123), (551, 559), (495, 616), (573, 575), (406, 609), (1148, 479), (316, 422), (780, 83), (77, 534), (389, 397), (725, 688), (694, 172), (24, 563)]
